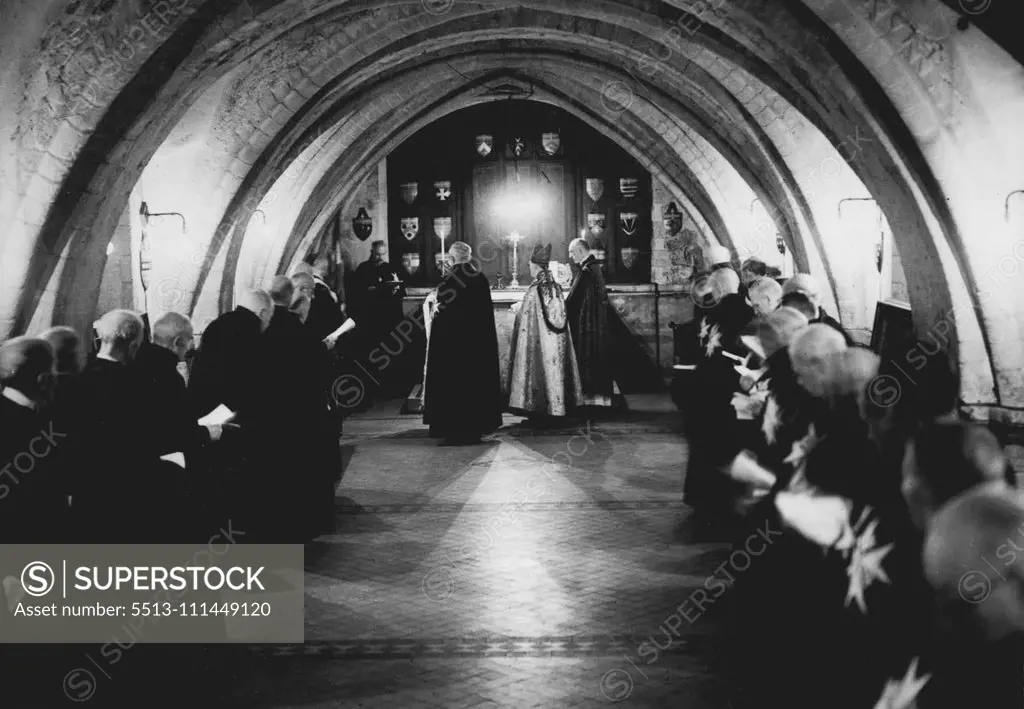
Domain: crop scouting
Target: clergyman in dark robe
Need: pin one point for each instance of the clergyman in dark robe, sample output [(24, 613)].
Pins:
[(228, 366), (113, 503), (587, 307), (544, 379), (173, 430), (714, 430), (462, 388), (376, 302), (34, 504), (296, 396)]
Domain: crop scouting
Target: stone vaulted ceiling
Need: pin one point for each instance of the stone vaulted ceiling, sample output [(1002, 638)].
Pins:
[(286, 106)]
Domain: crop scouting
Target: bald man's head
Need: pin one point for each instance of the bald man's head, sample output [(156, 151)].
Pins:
[(972, 561), (778, 329), (946, 459), (765, 295), (259, 303), (804, 283), (67, 347), (282, 291), (174, 332), (303, 268), (27, 366), (809, 353), (321, 267), (120, 333)]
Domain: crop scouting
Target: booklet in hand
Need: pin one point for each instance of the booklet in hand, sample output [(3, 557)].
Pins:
[(218, 417), (176, 458)]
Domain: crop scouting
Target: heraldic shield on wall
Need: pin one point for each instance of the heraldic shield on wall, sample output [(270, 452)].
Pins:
[(595, 188), (629, 186), (410, 227), (551, 142), (628, 221), (411, 263), (410, 191), (630, 254), (597, 223), (444, 190), (362, 225), (484, 144), (672, 219), (443, 227)]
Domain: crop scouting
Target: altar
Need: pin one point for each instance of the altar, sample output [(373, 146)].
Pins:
[(645, 312)]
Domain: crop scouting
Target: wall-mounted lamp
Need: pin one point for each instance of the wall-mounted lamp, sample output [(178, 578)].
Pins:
[(1006, 210), (146, 215), (261, 212), (852, 199)]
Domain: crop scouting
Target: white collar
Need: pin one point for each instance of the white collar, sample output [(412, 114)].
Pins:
[(18, 398)]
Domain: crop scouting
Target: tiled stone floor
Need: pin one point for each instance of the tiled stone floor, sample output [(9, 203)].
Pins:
[(524, 572), (537, 569)]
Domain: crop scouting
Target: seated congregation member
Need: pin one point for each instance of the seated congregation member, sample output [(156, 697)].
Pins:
[(751, 270), (34, 500), (944, 459), (173, 429), (801, 303), (303, 503), (860, 626), (785, 415), (544, 379), (462, 388), (228, 366), (339, 359), (65, 409), (113, 501), (972, 561), (712, 425), (764, 295), (808, 285), (300, 306)]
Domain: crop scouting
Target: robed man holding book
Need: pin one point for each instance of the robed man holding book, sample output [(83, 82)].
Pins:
[(544, 379), (462, 397)]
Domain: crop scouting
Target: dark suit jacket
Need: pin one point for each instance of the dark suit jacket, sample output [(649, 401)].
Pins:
[(228, 365), (33, 503), (296, 375), (173, 426), (826, 319)]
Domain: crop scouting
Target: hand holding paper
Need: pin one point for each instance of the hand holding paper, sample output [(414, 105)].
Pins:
[(176, 458), (218, 417)]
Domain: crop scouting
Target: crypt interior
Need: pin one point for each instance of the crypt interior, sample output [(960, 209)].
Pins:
[(169, 155)]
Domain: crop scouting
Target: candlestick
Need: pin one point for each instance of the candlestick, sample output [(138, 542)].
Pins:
[(515, 258)]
